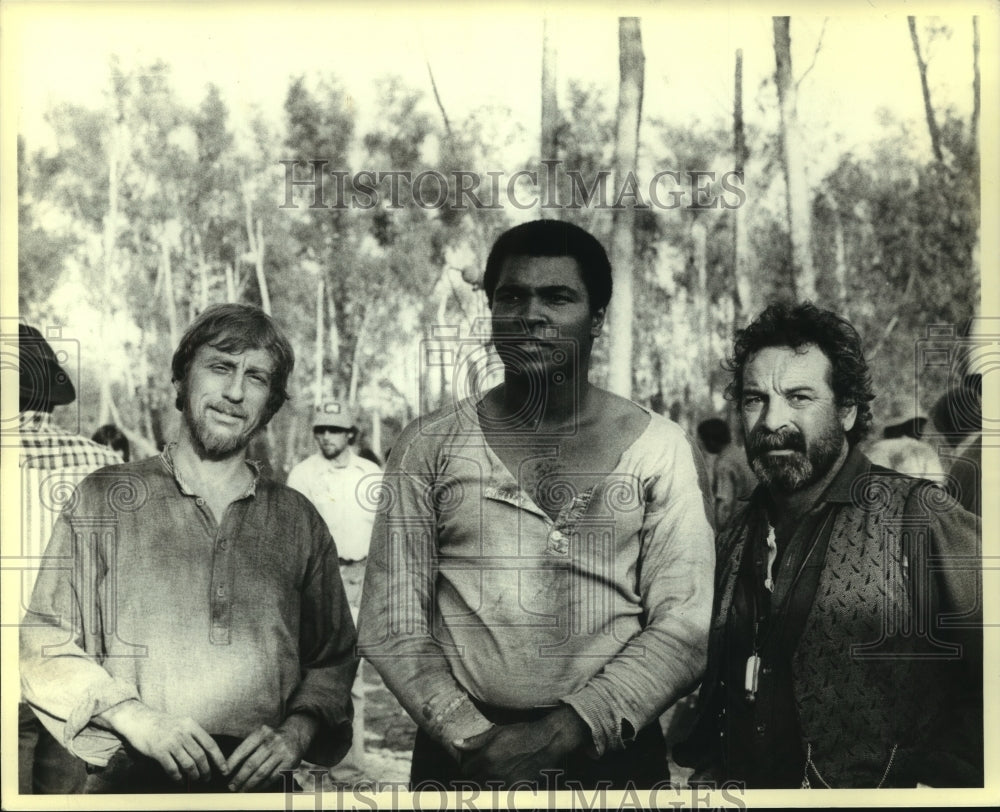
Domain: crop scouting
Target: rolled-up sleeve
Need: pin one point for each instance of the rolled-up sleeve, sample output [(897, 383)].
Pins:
[(61, 678)]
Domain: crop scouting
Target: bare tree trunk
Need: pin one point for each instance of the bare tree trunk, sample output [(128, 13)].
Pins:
[(743, 301), (377, 431), (168, 291), (352, 392), (334, 340), (631, 62), (443, 380), (116, 417), (796, 187), (138, 398), (230, 284), (147, 421), (840, 271), (141, 447), (255, 238), (318, 385), (291, 448), (203, 281), (549, 149), (699, 236), (150, 339), (265, 296), (475, 373), (932, 125), (427, 373), (110, 238), (433, 375)]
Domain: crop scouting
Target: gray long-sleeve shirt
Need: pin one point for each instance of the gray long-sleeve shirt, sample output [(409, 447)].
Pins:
[(473, 591), (144, 595)]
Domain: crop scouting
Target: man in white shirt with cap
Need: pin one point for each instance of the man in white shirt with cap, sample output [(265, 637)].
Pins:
[(330, 478), (335, 480)]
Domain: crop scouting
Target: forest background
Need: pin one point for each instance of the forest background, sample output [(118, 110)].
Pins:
[(151, 183)]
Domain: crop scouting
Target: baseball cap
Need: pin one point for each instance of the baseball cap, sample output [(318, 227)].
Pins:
[(333, 413)]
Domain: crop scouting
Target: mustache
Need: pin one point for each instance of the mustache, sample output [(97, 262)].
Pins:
[(761, 441), (232, 411)]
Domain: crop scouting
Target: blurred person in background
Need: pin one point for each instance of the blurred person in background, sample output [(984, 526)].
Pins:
[(730, 475), (330, 479), (52, 462), (958, 418), (114, 438), (903, 449), (335, 480)]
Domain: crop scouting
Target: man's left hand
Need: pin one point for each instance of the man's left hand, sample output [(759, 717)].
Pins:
[(520, 752), (266, 752)]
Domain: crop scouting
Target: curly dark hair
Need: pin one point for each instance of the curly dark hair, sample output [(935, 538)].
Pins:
[(553, 238), (236, 328), (784, 325)]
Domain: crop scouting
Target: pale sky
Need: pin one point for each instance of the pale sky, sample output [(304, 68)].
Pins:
[(483, 57)]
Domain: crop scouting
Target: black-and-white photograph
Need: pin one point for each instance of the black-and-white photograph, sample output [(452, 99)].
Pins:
[(426, 406)]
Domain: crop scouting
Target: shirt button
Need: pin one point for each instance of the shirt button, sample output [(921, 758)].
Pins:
[(765, 670), (199, 501), (761, 728), (223, 545), (220, 591)]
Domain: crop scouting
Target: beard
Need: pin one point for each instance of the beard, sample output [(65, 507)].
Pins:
[(209, 442), (332, 452), (805, 466)]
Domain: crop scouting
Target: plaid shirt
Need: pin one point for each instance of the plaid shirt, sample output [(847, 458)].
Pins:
[(52, 462)]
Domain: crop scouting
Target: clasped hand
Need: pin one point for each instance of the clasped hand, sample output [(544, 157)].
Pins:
[(183, 748), (520, 752)]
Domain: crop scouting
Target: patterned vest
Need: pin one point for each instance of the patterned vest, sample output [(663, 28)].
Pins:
[(866, 671)]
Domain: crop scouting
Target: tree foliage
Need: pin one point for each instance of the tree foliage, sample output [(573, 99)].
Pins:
[(154, 209)]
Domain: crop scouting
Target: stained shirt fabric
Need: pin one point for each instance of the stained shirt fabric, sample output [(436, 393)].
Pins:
[(337, 489), (144, 595), (473, 591)]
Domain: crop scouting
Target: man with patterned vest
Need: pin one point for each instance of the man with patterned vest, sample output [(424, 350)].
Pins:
[(846, 643)]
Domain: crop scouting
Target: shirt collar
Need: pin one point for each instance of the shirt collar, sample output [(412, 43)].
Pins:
[(35, 421), (168, 460), (855, 466), (345, 459)]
